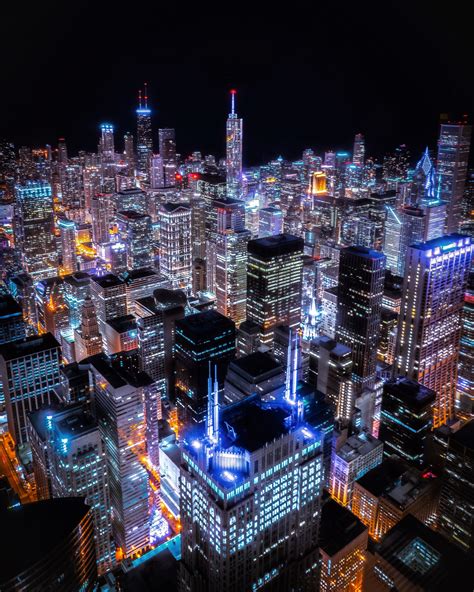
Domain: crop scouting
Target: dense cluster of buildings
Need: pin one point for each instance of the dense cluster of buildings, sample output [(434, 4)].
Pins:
[(273, 364)]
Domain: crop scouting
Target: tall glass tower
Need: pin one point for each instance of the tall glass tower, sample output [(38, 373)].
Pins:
[(144, 133), (234, 136)]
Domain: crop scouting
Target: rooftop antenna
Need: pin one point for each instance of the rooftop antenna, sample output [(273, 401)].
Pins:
[(146, 95), (233, 92), (139, 99)]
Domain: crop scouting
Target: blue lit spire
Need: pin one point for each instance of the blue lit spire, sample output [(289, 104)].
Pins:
[(212, 423)]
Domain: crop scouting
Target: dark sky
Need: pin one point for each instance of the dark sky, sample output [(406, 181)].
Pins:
[(308, 75)]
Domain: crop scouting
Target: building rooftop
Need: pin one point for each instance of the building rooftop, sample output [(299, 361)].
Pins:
[(412, 393), (35, 530), (382, 477), (255, 366), (75, 374), (131, 215), (272, 246), (171, 207), (212, 179), (78, 278), (339, 527), (123, 324), (9, 307), (424, 557), (28, 345), (136, 274), (115, 374), (75, 423), (464, 436), (364, 252), (444, 243), (203, 324), (358, 445), (107, 281)]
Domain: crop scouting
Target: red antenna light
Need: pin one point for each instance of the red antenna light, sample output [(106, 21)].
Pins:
[(139, 99)]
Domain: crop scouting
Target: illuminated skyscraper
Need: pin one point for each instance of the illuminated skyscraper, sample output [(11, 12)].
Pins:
[(270, 221), (274, 279), (429, 328), (34, 225), (12, 325), (234, 138), (88, 340), (167, 141), (453, 156), (129, 152), (101, 213), (157, 174), (107, 150), (360, 291), (144, 133), (109, 296), (135, 231), (67, 229), (174, 221), (465, 389), (231, 274), (358, 155), (250, 491), (77, 467)]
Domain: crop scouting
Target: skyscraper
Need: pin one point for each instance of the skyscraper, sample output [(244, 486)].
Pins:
[(12, 325), (174, 221), (34, 226), (136, 233), (453, 156), (274, 278), (109, 296), (361, 279), (358, 154), (29, 373), (87, 338), (465, 388), (234, 138), (167, 142), (107, 150), (144, 133), (429, 327), (67, 229), (406, 419)]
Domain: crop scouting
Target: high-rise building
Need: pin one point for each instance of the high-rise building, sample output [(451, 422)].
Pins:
[(274, 279), (157, 173), (406, 419), (67, 230), (136, 232), (234, 139), (77, 466), (167, 142), (453, 156), (87, 338), (140, 283), (144, 134), (130, 199), (76, 287), (129, 152), (429, 328), (231, 274), (29, 373), (34, 226), (360, 291), (12, 325), (57, 542), (353, 458), (270, 221), (358, 154), (101, 213), (109, 295), (342, 544), (119, 402), (456, 508), (106, 146), (200, 338), (174, 221), (250, 489), (465, 386)]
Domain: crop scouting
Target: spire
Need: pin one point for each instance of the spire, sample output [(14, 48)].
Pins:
[(210, 406), (288, 370), (139, 99), (294, 377), (146, 95), (233, 92)]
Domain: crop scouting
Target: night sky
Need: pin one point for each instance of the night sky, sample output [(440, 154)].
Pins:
[(308, 75)]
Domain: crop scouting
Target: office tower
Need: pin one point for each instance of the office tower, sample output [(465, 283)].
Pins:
[(130, 199), (406, 419), (199, 276), (157, 173), (342, 544), (140, 283), (234, 138), (151, 342), (101, 213), (350, 460), (129, 152), (248, 338), (412, 557), (34, 225), (57, 542), (270, 221), (76, 288), (12, 325), (167, 142), (67, 230), (51, 309), (7, 170), (329, 312), (144, 133), (198, 227), (77, 461), (456, 506), (330, 371), (106, 146), (274, 278), (390, 491), (119, 402), (465, 386), (199, 339), (395, 165), (231, 274), (392, 240), (21, 287), (108, 293), (429, 328), (120, 335), (360, 291), (358, 154), (87, 338), (29, 372), (92, 182), (255, 373), (453, 156), (72, 190), (136, 233), (251, 480), (174, 221)]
